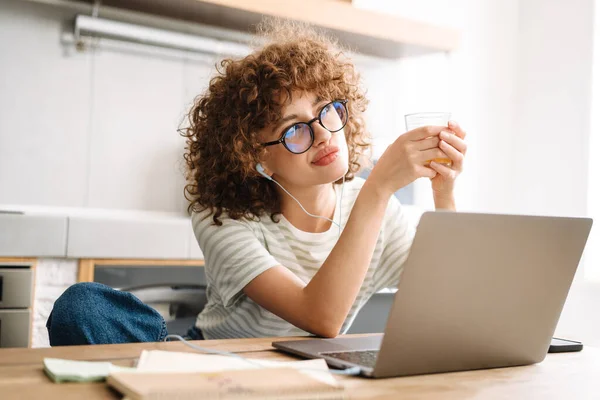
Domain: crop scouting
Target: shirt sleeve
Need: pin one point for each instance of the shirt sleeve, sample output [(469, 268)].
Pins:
[(398, 235), (233, 255)]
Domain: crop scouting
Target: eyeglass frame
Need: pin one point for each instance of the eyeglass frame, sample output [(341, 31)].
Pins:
[(310, 129)]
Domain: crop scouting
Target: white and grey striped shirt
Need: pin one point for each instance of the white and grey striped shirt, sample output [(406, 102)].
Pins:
[(240, 250)]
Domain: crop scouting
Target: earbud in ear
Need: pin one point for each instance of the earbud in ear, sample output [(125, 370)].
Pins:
[(260, 169)]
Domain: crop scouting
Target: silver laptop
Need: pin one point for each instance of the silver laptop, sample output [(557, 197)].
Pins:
[(477, 291)]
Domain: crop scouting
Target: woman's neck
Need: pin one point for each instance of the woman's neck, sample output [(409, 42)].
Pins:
[(317, 200)]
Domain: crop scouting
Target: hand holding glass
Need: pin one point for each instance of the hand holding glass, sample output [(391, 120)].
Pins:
[(417, 120)]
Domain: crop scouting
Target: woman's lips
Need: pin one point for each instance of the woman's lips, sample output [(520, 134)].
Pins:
[(326, 159)]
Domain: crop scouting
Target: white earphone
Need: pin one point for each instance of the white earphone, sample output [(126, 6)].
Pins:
[(261, 170)]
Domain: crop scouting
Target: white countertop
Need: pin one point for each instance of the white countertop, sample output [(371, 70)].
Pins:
[(87, 212), (71, 232)]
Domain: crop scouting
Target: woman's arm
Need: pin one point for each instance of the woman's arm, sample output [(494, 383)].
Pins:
[(444, 203), (322, 305), (454, 146)]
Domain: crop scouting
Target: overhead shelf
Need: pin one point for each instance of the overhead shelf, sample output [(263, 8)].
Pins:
[(364, 31)]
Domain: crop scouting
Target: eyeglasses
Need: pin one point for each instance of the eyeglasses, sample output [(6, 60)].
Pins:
[(299, 137)]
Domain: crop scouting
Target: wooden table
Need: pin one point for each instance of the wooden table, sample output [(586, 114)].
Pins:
[(570, 376)]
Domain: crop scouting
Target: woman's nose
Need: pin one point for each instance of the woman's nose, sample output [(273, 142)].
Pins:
[(322, 135)]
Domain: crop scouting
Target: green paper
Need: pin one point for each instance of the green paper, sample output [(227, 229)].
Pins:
[(79, 371)]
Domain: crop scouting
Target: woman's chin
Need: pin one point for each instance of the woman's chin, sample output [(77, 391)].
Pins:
[(335, 170)]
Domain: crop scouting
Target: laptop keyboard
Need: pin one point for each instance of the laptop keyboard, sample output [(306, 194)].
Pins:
[(365, 358)]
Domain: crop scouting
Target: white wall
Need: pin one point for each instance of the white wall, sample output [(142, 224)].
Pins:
[(91, 129), (593, 252), (553, 106), (520, 83), (476, 83)]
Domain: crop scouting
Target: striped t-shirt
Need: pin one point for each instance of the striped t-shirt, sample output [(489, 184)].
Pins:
[(240, 250)]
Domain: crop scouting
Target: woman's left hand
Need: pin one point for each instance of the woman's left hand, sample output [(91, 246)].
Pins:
[(454, 146)]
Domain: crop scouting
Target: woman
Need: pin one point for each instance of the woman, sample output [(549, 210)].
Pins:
[(294, 244)]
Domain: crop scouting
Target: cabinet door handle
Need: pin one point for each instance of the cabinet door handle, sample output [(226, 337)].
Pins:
[(1, 286)]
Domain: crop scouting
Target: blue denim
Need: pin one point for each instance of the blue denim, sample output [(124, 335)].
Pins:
[(93, 313)]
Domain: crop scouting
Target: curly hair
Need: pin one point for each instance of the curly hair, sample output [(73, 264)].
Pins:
[(222, 143)]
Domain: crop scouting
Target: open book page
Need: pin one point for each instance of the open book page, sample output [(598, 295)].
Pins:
[(168, 361)]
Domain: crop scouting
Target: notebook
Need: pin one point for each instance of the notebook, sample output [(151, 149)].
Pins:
[(165, 374), (253, 384)]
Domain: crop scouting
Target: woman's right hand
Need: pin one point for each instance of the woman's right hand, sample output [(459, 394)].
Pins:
[(407, 159)]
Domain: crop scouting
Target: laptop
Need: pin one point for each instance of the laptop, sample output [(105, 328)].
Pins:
[(477, 291)]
